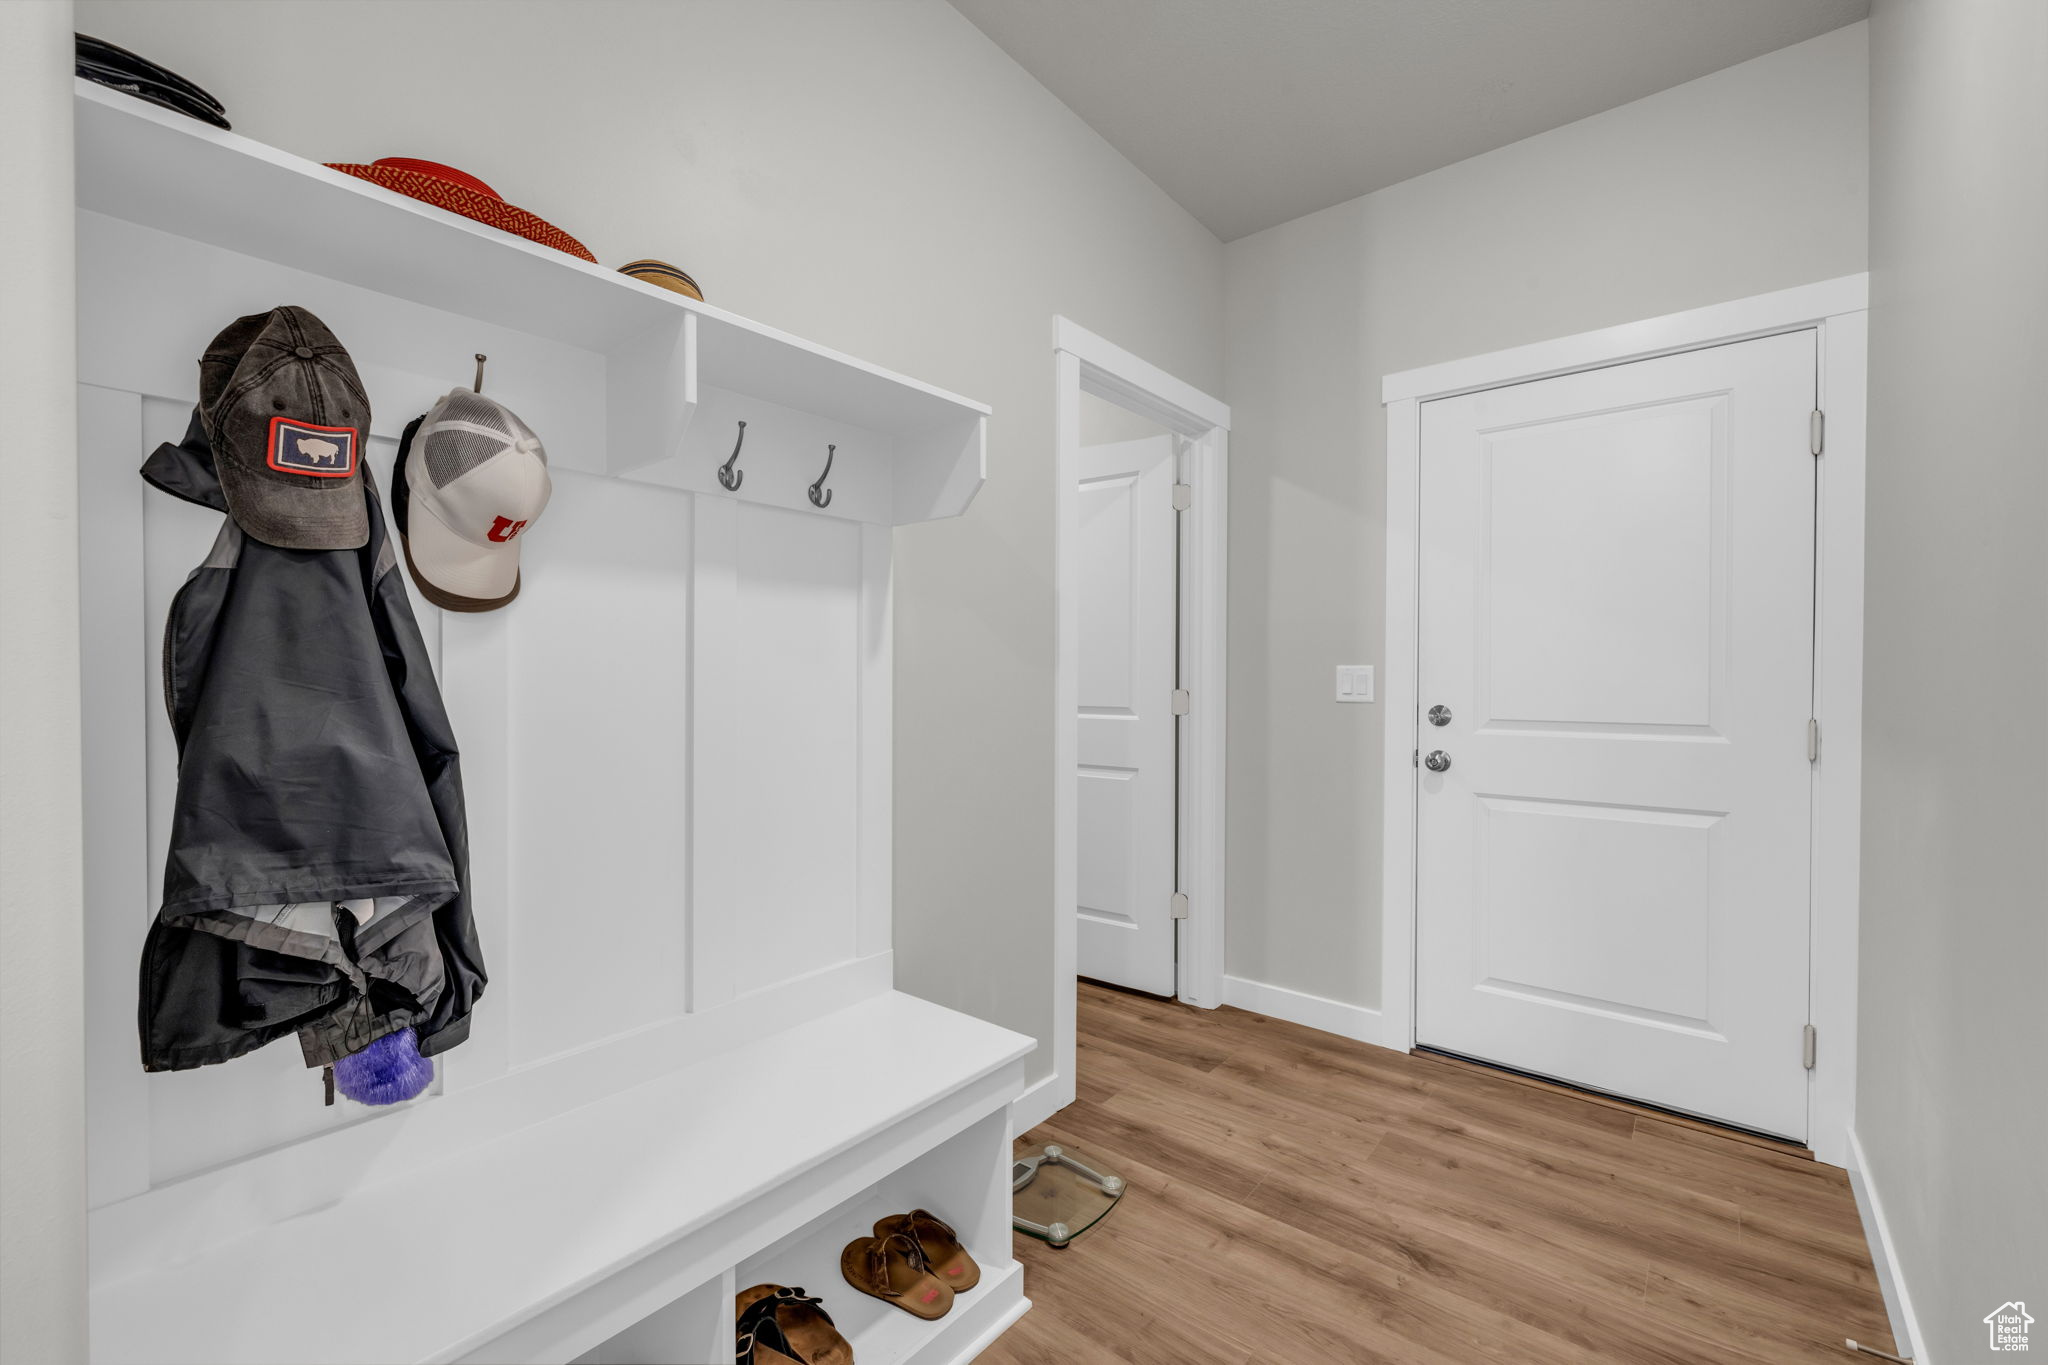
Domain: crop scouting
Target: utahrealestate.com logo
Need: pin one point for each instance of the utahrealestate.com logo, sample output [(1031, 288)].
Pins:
[(2008, 1324)]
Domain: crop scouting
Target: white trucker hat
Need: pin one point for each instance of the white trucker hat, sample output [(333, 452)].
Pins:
[(470, 481)]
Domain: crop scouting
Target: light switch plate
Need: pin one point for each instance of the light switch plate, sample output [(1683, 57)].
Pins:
[(1354, 682)]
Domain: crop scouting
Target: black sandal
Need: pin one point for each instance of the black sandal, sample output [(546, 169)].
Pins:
[(782, 1326)]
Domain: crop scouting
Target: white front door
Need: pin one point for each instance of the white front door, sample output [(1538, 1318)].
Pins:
[(1617, 622), (1125, 772)]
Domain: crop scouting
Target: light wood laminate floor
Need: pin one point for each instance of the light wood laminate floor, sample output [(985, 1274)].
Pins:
[(1298, 1198)]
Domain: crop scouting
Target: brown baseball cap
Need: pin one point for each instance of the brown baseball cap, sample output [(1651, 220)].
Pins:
[(287, 417)]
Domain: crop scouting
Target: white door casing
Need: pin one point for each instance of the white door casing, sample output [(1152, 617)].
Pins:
[(1124, 775), (1087, 364), (1616, 606)]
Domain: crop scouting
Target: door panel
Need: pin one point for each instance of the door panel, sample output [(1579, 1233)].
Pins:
[(1647, 909), (1125, 777), (1616, 608), (1592, 616)]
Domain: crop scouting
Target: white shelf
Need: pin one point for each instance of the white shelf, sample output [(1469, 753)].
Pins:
[(556, 1237), (908, 451)]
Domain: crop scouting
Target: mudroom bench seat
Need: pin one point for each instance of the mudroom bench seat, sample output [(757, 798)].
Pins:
[(618, 1231)]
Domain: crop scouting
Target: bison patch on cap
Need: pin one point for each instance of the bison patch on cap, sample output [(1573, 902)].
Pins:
[(302, 448)]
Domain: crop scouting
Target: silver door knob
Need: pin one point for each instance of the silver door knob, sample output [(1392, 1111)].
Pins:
[(1439, 715), (1436, 760)]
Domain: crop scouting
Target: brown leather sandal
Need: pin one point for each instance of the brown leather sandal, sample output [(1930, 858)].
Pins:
[(893, 1269), (940, 1244), (779, 1326)]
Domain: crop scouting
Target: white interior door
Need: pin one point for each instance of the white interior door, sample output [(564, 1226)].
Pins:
[(1125, 747), (1617, 617)]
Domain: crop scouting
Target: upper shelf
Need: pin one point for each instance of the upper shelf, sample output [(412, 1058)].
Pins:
[(668, 352)]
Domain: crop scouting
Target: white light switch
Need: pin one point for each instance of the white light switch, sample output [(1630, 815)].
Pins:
[(1354, 682)]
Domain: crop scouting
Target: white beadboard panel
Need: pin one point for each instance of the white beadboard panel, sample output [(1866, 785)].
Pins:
[(476, 652), (794, 881), (877, 757), (598, 704), (718, 692)]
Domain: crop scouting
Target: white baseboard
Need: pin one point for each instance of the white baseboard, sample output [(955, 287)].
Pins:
[(1897, 1305), (1039, 1102), (1310, 1011)]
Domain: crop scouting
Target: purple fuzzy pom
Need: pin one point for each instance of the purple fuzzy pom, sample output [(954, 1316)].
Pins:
[(388, 1071)]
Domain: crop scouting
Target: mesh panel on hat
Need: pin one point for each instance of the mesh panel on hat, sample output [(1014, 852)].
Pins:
[(463, 405), (466, 429), (452, 451), (521, 431)]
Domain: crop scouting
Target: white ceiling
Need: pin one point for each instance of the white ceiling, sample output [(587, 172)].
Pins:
[(1252, 112)]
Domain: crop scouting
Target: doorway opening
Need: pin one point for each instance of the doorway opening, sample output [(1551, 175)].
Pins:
[(1138, 757)]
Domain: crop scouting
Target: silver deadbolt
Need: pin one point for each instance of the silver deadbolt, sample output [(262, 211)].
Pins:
[(1436, 760), (1439, 715)]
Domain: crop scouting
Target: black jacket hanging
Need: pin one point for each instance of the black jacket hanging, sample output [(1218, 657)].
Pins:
[(317, 879)]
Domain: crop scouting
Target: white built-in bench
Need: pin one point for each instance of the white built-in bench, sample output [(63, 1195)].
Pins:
[(619, 1231)]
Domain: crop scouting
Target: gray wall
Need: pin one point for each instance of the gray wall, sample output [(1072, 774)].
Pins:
[(1952, 1094), (42, 968), (789, 156), (1748, 180)]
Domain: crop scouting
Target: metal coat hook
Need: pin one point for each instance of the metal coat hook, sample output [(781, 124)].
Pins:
[(821, 496), (727, 475), (478, 386)]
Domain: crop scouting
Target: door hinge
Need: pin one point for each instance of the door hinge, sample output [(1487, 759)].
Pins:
[(1180, 905), (1809, 1044), (1812, 740), (1415, 758), (1183, 497), (1182, 701), (1816, 431)]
